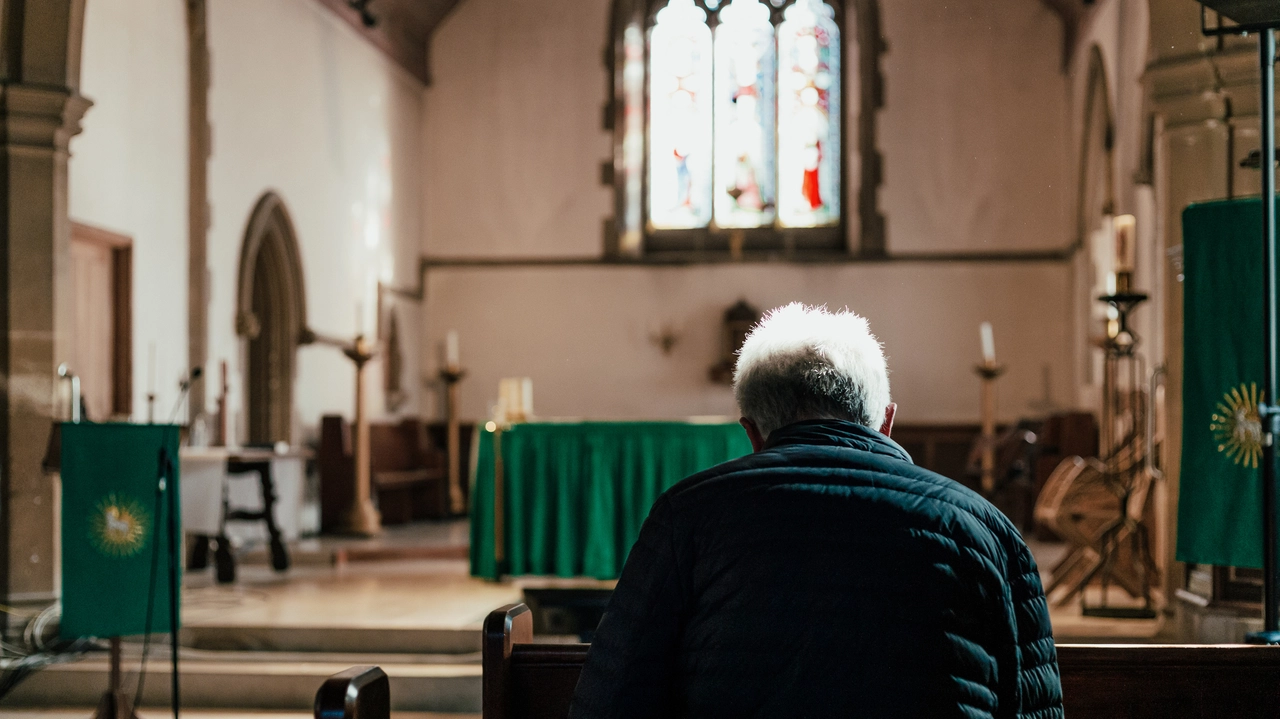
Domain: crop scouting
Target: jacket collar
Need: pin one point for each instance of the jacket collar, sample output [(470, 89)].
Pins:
[(836, 433)]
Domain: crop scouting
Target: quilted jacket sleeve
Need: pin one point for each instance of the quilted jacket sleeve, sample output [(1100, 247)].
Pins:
[(631, 663), (1039, 686)]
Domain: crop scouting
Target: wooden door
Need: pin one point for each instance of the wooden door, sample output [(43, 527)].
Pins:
[(101, 342)]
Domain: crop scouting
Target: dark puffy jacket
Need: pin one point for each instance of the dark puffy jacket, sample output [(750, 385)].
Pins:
[(825, 576)]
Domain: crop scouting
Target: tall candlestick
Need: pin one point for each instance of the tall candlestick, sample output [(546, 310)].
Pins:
[(451, 349), (988, 343)]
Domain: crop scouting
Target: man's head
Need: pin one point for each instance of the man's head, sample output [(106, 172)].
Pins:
[(804, 363)]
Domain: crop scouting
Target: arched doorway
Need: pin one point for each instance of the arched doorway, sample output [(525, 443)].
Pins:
[(271, 316)]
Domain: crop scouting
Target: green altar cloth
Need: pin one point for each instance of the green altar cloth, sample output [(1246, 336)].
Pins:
[(575, 494)]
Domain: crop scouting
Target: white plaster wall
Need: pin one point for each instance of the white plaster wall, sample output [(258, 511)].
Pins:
[(975, 128), (128, 172), (300, 105), (514, 132), (583, 334), (514, 144)]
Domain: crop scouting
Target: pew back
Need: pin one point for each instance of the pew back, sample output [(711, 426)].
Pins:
[(523, 680), (357, 693)]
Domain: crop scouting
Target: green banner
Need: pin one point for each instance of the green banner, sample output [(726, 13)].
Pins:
[(113, 543), (1220, 495)]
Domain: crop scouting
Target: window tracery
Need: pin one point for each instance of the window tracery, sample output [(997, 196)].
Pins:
[(729, 126)]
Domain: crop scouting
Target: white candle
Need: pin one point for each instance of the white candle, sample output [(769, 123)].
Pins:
[(988, 343), (526, 397), (451, 349), (1125, 228)]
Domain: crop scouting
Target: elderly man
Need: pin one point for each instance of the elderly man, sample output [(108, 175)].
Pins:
[(825, 575)]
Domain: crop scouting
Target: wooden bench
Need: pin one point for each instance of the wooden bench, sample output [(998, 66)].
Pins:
[(523, 680)]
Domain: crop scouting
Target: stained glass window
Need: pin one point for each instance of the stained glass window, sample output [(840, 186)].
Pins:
[(743, 119), (632, 147), (680, 116), (745, 106), (809, 116)]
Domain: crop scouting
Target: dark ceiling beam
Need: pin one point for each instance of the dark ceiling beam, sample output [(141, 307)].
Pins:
[(403, 29)]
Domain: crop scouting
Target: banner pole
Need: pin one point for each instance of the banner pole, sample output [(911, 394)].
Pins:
[(1270, 409), (175, 588)]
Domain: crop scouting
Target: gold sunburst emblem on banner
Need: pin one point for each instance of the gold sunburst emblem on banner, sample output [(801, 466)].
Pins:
[(118, 527), (1237, 425)]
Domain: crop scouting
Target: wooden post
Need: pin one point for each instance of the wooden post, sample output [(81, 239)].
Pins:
[(114, 703), (988, 372), (499, 502), (453, 438), (363, 519)]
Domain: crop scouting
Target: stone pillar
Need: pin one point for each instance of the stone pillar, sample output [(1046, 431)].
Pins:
[(1204, 93), (40, 110), (36, 123)]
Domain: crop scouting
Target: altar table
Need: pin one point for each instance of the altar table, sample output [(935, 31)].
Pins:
[(573, 495)]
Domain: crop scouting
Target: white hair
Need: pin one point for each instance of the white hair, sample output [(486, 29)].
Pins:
[(804, 362)]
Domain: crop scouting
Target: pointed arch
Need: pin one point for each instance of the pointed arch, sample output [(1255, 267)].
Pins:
[(1096, 188), (271, 316)]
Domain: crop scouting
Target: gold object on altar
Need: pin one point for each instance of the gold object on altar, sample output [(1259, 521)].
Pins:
[(515, 400)]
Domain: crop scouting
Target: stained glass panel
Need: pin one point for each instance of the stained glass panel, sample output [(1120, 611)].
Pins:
[(745, 69), (632, 139), (680, 113), (809, 116)]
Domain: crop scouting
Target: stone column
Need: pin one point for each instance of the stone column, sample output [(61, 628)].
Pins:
[(36, 123), (1204, 92)]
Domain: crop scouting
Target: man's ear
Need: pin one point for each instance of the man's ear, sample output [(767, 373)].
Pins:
[(753, 434), (889, 412)]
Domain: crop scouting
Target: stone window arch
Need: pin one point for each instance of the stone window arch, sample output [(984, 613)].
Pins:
[(729, 126)]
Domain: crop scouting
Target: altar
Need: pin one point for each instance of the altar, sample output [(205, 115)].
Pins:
[(208, 477), (571, 496)]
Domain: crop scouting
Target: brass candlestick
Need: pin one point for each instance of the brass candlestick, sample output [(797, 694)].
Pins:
[(363, 518), (452, 375), (988, 372)]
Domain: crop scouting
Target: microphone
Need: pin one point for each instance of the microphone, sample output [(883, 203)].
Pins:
[(184, 388)]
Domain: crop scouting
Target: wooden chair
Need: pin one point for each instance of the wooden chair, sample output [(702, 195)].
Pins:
[(523, 680), (407, 472)]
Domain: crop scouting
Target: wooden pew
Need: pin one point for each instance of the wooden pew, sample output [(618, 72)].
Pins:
[(357, 693), (523, 680)]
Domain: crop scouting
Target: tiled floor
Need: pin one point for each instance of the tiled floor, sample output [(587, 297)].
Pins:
[(391, 594), (422, 594), (439, 594)]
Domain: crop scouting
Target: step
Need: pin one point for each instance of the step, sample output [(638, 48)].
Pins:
[(238, 680), (364, 640)]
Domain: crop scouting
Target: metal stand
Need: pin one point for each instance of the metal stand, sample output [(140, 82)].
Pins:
[(1270, 412), (115, 703), (1124, 452)]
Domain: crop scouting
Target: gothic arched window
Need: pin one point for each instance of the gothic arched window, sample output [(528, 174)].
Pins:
[(730, 126)]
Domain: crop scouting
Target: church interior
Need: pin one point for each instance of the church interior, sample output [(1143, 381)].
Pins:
[(439, 295)]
